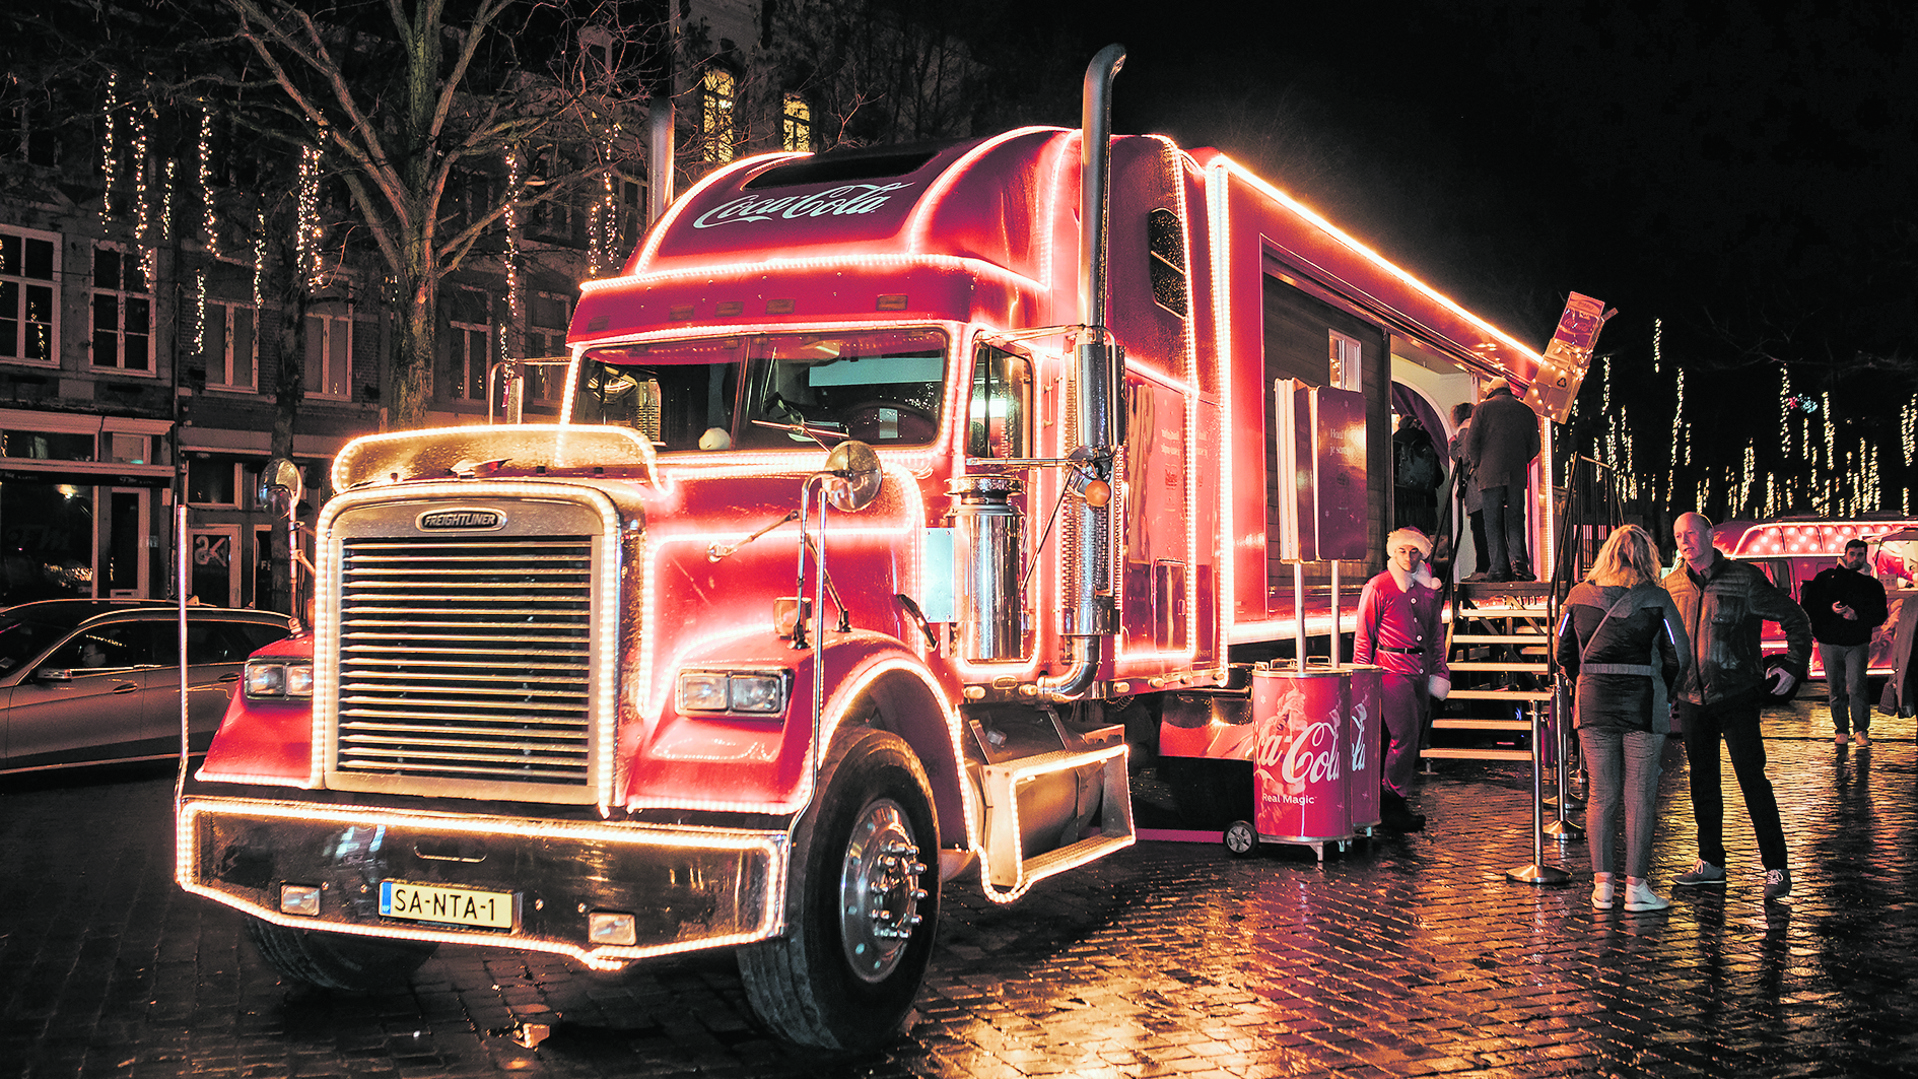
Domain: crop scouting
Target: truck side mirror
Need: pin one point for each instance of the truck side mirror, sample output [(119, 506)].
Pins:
[(852, 476)]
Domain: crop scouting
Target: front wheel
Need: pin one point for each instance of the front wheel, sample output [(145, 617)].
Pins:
[(336, 960), (862, 903)]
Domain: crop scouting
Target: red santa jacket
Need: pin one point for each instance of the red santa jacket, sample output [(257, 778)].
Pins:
[(1400, 629)]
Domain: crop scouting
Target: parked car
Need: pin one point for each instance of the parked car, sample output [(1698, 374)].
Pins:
[(1793, 550), (87, 681)]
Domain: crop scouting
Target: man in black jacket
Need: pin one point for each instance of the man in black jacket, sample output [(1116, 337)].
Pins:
[(1845, 604), (1501, 444), (1722, 602)]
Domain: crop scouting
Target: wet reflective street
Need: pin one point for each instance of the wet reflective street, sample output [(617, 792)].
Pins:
[(1404, 956)]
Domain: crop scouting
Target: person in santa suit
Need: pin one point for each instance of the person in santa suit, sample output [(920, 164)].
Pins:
[(1399, 630)]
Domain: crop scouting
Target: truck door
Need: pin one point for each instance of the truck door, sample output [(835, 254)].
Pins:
[(1155, 514)]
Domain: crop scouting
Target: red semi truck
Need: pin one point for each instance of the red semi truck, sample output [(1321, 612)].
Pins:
[(900, 496)]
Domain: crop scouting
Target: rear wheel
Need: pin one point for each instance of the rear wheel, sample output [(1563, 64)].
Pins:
[(862, 903), (336, 960), (1241, 838)]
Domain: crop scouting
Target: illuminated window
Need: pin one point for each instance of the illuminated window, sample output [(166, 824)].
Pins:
[(546, 336), (28, 263), (230, 346), (122, 312), (717, 122), (1345, 354), (329, 355), (795, 124)]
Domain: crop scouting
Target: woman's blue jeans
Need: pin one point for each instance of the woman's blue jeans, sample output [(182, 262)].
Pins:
[(1622, 769)]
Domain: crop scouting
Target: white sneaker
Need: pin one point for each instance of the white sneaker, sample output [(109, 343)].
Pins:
[(1604, 892), (1640, 897)]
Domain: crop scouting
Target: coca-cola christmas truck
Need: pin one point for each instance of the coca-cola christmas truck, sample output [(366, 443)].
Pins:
[(896, 492)]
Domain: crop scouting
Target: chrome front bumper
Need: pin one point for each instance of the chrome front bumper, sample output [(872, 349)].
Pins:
[(687, 888)]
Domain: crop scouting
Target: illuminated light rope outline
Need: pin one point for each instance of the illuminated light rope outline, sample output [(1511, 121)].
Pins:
[(1219, 202), (603, 712), (607, 958), (1187, 386), (1101, 757), (812, 264), (339, 478), (918, 226), (1774, 538)]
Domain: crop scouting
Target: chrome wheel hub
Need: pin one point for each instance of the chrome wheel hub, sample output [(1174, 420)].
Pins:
[(879, 890)]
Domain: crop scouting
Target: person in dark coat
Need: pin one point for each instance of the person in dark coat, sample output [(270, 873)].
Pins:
[(1622, 642), (1468, 491), (1417, 475), (1845, 604), (1501, 445)]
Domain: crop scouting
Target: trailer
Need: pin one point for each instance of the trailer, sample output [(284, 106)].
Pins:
[(902, 497)]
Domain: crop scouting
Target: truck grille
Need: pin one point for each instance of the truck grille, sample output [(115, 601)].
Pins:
[(466, 659)]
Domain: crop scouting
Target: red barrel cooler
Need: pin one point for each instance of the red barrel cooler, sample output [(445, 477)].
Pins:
[(1299, 770), (1365, 744)]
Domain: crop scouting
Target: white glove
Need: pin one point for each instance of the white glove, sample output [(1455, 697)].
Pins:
[(1782, 682), (1439, 686)]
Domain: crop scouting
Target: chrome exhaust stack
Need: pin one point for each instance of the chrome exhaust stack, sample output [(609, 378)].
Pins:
[(1090, 613)]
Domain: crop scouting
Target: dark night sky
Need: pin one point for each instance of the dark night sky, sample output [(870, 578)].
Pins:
[(1748, 178)]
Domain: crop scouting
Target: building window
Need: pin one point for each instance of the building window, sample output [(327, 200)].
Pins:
[(546, 337), (1345, 354), (27, 267), (213, 480), (470, 358), (717, 121), (795, 124), (230, 346), (25, 133), (122, 311), (329, 355)]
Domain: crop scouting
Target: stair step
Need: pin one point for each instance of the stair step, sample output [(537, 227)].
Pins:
[(1498, 638), (1478, 754), (1500, 695), (1477, 665), (1466, 724)]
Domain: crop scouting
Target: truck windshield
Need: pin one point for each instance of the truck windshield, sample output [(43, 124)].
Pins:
[(778, 390)]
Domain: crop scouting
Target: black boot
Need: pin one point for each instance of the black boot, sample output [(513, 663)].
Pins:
[(1396, 816)]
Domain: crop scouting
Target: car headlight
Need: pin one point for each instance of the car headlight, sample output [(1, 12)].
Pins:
[(756, 692), (275, 679)]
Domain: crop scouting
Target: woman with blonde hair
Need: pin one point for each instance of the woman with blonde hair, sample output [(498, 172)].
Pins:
[(1622, 642)]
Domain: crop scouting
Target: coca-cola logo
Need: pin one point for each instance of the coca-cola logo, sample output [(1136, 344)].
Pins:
[(1359, 741), (849, 199), (1313, 756)]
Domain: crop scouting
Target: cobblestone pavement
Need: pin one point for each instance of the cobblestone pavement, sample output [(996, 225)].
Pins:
[(1404, 956)]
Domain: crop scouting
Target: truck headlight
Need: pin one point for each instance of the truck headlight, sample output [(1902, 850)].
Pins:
[(277, 679), (756, 692)]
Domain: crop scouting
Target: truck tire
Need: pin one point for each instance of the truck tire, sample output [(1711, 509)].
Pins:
[(862, 903), (335, 960)]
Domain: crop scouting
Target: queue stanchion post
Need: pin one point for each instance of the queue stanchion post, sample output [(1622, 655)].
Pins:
[(1561, 828), (1538, 872)]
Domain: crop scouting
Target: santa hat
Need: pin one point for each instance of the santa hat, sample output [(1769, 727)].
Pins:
[(1409, 535)]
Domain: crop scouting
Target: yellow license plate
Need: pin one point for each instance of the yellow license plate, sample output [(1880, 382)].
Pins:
[(452, 906)]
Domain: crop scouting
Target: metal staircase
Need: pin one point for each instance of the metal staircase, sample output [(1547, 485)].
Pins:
[(1496, 645)]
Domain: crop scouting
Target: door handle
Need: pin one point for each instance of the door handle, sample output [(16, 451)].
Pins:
[(125, 687)]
